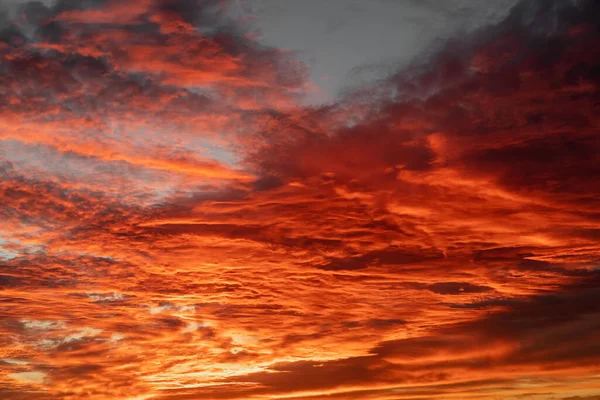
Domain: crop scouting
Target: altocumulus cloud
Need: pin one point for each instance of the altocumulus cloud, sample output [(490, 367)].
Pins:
[(180, 224)]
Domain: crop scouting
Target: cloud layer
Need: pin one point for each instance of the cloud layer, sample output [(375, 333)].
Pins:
[(176, 225)]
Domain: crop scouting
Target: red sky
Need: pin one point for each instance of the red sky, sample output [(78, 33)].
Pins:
[(177, 223)]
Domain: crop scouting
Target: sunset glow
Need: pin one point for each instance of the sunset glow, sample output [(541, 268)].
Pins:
[(187, 213)]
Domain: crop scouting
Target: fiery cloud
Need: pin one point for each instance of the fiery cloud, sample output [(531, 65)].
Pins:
[(178, 224)]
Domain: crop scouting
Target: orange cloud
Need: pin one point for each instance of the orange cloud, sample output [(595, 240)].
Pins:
[(175, 225)]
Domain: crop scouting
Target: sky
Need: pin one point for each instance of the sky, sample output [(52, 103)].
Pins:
[(348, 43), (229, 199)]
